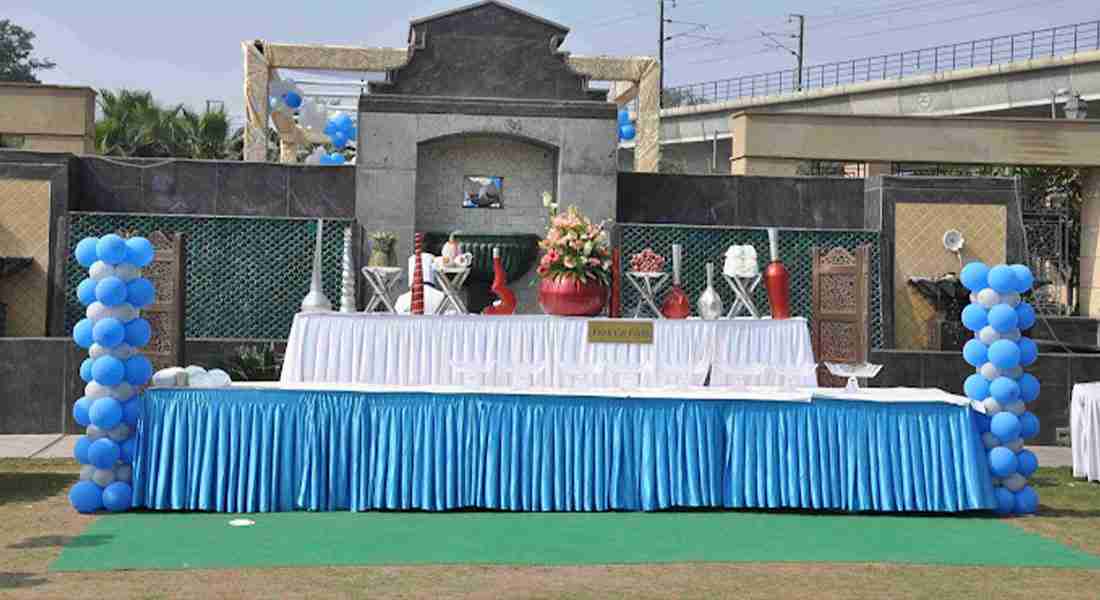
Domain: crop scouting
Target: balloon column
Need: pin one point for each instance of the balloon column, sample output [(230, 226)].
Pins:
[(626, 126), (114, 294), (998, 353), (341, 131)]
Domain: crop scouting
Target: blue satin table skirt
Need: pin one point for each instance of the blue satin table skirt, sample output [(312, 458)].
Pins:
[(263, 450)]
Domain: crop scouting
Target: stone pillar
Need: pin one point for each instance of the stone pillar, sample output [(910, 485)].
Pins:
[(770, 167), (1089, 290), (288, 151), (256, 79)]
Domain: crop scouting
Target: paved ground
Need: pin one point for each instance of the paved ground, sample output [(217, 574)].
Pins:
[(57, 446)]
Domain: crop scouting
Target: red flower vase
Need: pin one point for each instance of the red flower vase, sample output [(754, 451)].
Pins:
[(568, 297)]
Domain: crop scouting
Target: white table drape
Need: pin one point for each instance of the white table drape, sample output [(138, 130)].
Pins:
[(538, 350), (1084, 423)]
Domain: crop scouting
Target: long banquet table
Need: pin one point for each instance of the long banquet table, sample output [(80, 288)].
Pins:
[(338, 447), (540, 350)]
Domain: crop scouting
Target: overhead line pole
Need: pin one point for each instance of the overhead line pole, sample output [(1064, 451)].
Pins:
[(661, 52), (801, 48)]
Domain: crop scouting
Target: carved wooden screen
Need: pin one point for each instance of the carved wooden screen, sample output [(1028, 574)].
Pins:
[(167, 273), (841, 290)]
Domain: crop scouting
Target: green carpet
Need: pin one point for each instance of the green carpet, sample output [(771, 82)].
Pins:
[(190, 540)]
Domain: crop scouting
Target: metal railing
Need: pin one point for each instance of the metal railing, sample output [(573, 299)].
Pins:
[(1065, 40)]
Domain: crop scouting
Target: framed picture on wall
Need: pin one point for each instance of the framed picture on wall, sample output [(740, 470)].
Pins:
[(482, 191)]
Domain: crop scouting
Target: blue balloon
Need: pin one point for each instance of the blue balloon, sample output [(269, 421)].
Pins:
[(80, 450), (1027, 501), (1029, 388), (86, 497), (111, 291), (140, 292), (624, 116), (976, 387), (85, 292), (104, 453), (85, 252), (138, 332), (975, 317), (1006, 500), (80, 411), (129, 447), (1029, 351), (1006, 426), (108, 332), (86, 370), (82, 333), (106, 413), (627, 132), (111, 249), (118, 496), (1004, 354), (1024, 278), (1002, 279), (138, 370), (339, 140), (1027, 462), (1025, 316), (1004, 390), (108, 371), (292, 99), (1002, 461), (1002, 318), (1029, 425), (975, 353), (975, 276), (131, 412), (139, 252)]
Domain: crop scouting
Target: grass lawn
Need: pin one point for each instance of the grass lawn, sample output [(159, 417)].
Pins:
[(36, 522)]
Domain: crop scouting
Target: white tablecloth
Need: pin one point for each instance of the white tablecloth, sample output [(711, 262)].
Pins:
[(1084, 424), (539, 350)]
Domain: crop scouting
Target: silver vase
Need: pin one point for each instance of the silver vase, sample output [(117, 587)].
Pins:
[(709, 304)]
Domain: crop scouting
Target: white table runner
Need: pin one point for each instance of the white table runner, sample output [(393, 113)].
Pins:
[(544, 351)]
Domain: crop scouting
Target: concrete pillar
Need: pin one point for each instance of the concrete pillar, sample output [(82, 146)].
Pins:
[(770, 167), (1089, 291)]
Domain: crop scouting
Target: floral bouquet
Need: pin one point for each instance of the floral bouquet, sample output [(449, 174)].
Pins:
[(574, 247)]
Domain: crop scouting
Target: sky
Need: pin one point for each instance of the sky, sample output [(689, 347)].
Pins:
[(189, 52)]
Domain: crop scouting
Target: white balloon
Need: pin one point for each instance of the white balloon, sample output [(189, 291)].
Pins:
[(988, 335), (193, 370), (1015, 482), (123, 472), (86, 472), (200, 380), (990, 440), (96, 311), (96, 351), (95, 390), (94, 433), (127, 272), (989, 298), (100, 270), (122, 351), (219, 378), (1014, 372), (314, 157), (1012, 299), (313, 116), (1015, 445), (122, 392), (120, 433), (1013, 335), (103, 477), (989, 371), (973, 298), (1017, 408), (170, 377), (992, 407)]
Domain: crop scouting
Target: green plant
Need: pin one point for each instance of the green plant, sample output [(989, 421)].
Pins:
[(252, 363)]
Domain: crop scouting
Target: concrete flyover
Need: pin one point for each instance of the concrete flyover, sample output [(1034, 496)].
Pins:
[(697, 138)]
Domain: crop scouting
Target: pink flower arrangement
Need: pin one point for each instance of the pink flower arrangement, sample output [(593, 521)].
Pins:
[(574, 247)]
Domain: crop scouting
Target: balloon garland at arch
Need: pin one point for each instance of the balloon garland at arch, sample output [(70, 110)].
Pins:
[(999, 353), (114, 372)]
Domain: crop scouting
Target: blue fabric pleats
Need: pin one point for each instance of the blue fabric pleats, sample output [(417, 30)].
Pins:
[(247, 450)]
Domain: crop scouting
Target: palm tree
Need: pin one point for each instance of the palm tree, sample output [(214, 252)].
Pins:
[(133, 124)]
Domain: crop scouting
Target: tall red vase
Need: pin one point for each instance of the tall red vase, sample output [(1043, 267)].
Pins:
[(676, 304), (777, 280), (506, 304)]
